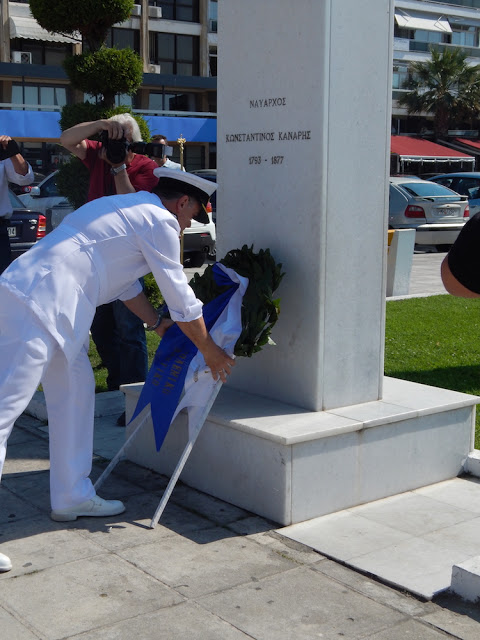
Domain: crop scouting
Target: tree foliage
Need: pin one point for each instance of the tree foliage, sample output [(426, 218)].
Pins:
[(92, 18), (445, 86), (105, 72)]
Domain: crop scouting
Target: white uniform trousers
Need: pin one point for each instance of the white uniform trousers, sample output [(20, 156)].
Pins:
[(28, 355)]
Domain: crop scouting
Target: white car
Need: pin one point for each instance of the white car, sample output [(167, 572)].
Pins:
[(199, 242), (44, 196), (435, 212)]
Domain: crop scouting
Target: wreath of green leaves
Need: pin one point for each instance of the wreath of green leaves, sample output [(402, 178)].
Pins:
[(259, 308)]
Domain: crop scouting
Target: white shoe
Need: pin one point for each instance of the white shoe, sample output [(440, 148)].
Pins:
[(95, 507), (5, 563)]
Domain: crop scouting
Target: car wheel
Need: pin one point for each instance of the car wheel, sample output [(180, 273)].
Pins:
[(195, 259)]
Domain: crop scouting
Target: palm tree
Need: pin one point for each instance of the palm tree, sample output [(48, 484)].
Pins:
[(446, 86)]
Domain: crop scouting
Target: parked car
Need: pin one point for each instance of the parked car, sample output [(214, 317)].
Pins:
[(44, 196), (199, 242), (19, 189), (464, 183), (25, 227), (434, 211)]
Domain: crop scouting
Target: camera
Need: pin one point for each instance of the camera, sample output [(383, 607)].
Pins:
[(116, 150), (11, 150)]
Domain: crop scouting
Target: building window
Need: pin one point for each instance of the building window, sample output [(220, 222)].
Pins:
[(167, 101), (176, 54), (400, 76), (213, 16), (212, 61), (42, 52), (35, 94), (124, 39), (185, 10), (430, 36), (464, 36)]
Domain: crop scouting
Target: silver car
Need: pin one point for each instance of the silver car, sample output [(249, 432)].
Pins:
[(435, 212)]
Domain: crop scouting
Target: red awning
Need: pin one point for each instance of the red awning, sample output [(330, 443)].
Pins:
[(470, 143), (417, 149)]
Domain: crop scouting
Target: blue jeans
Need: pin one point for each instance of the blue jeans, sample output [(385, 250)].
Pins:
[(119, 336)]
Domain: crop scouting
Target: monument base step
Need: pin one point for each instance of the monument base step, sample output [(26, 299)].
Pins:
[(289, 464), (466, 579)]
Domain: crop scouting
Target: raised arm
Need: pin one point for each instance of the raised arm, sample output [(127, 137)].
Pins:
[(216, 359), (74, 138)]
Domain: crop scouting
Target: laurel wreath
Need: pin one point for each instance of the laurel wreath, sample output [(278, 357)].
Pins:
[(260, 310)]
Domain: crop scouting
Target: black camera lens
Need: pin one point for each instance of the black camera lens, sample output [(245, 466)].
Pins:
[(115, 150)]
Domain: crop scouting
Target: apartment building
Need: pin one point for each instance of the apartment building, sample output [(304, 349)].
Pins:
[(418, 25), (177, 41)]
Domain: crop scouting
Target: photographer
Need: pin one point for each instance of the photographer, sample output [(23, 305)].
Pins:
[(118, 334), (163, 161), (13, 168)]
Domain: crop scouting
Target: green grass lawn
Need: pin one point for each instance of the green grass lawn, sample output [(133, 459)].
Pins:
[(434, 340)]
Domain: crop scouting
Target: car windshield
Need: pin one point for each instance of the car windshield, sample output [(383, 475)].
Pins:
[(427, 189), (14, 201)]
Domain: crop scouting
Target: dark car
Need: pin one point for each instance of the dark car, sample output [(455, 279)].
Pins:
[(464, 183), (25, 227)]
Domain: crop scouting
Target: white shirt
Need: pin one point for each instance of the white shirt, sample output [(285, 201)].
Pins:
[(8, 174), (96, 255), (169, 164)]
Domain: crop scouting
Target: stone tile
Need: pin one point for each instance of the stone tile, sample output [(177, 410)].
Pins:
[(186, 620), (27, 456), (411, 629), (415, 514), (421, 567), (213, 560), (402, 602), (132, 528), (13, 629), (343, 535), (252, 525), (95, 592), (463, 493), (13, 508), (32, 488), (115, 487), (145, 479), (464, 536), (20, 435), (216, 510), (39, 543), (300, 604), (261, 531), (457, 618)]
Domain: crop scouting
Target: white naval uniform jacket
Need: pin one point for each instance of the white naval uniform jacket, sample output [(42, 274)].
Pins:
[(95, 256)]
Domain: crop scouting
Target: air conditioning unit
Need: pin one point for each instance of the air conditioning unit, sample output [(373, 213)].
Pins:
[(136, 10), (155, 12), (153, 68), (24, 57)]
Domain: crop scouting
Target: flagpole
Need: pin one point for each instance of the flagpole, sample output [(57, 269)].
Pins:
[(184, 457)]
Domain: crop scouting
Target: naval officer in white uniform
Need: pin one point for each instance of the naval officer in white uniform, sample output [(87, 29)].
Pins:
[(48, 298)]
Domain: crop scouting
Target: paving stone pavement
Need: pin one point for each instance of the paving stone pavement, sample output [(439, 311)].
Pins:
[(208, 571)]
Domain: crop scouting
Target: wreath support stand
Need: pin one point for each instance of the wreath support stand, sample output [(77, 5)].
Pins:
[(194, 433)]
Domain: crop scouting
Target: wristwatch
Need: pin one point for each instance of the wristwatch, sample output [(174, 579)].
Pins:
[(116, 170), (153, 326)]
